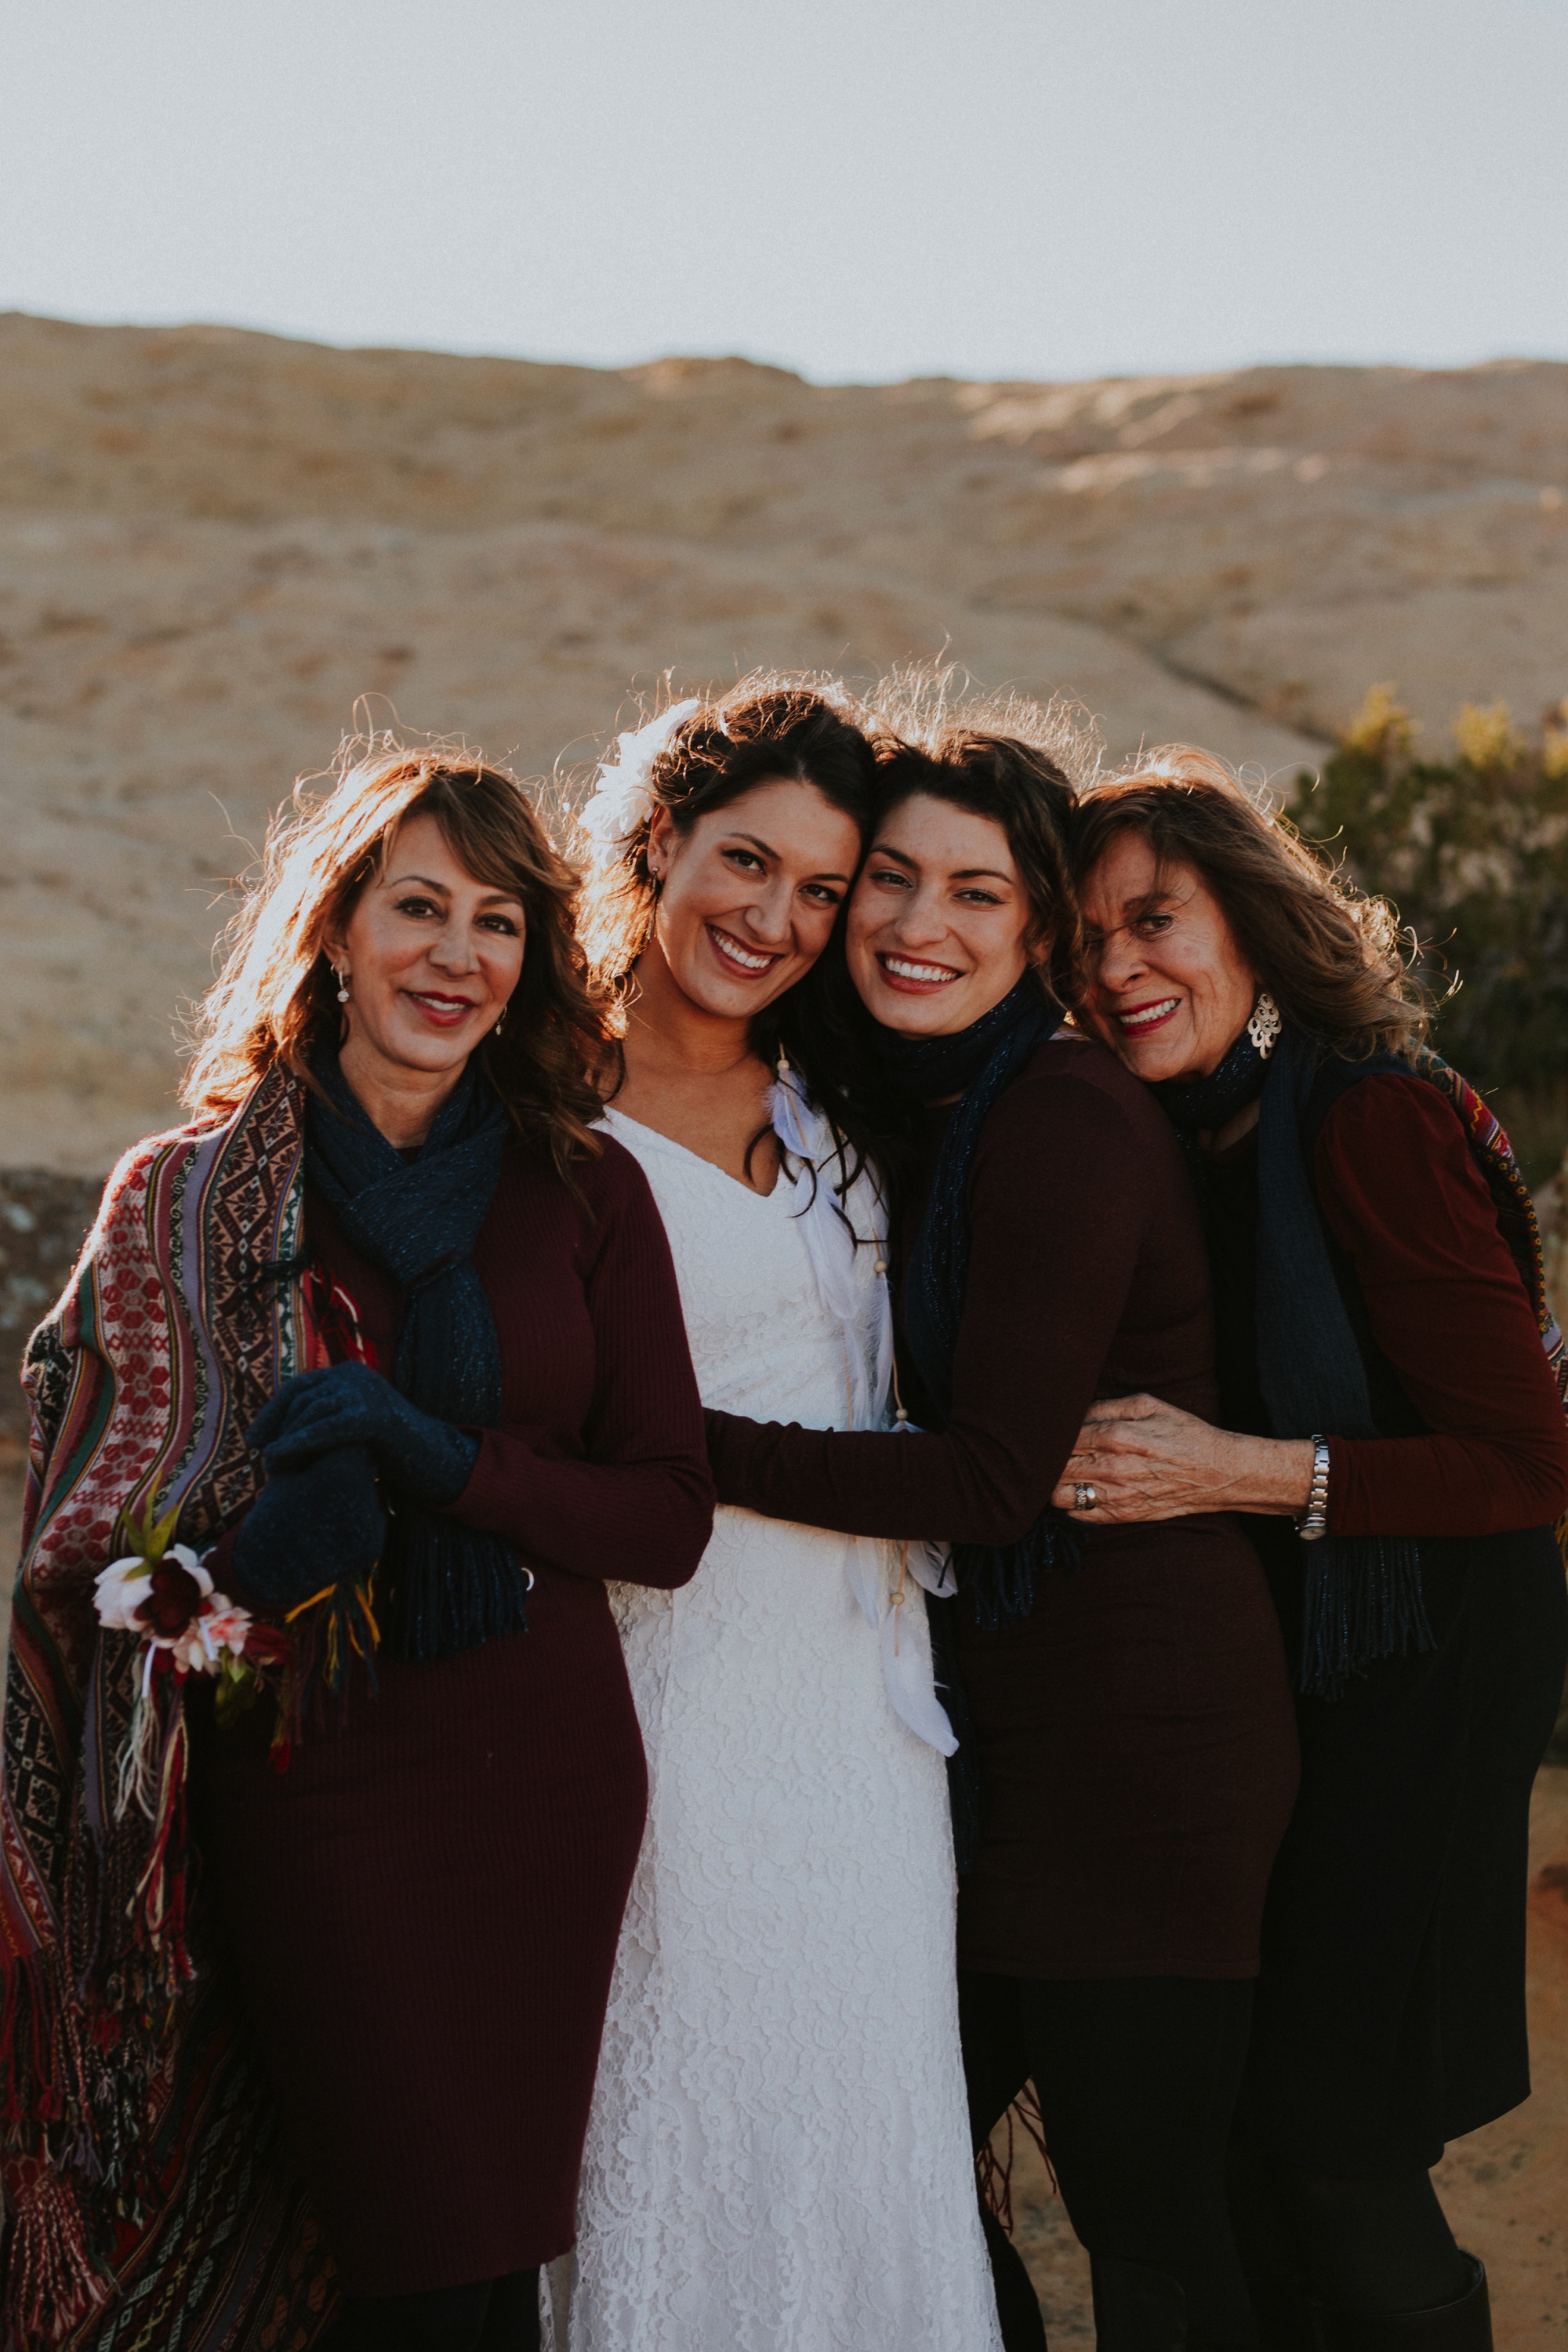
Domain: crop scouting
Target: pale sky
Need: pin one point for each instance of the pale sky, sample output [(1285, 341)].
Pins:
[(860, 189)]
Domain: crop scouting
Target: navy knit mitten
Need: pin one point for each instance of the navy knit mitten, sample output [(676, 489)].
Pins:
[(318, 1525), (348, 1404)]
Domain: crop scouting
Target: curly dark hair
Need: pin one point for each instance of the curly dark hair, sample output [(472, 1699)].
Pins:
[(276, 995), (771, 726)]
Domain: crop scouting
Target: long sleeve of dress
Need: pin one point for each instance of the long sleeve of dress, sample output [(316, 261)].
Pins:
[(1402, 1196), (1056, 1237), (637, 1504)]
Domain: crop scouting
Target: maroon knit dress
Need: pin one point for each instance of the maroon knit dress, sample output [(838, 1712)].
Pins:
[(424, 1908), (1135, 1734)]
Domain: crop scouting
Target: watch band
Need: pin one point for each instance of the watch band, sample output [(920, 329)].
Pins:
[(1314, 1520)]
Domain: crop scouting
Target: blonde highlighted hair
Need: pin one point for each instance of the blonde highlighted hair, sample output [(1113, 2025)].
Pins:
[(274, 998)]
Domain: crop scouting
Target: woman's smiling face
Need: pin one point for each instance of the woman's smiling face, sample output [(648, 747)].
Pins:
[(430, 957), (1168, 987), (939, 920), (748, 897)]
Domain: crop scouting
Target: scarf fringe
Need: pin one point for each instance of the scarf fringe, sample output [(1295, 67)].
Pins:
[(1363, 1601), (451, 1588), (51, 2284), (994, 2173), (1001, 1579)]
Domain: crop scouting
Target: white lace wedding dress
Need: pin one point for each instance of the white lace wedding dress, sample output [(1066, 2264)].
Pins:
[(778, 2158)]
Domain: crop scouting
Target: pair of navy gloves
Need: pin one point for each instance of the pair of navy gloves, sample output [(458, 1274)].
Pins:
[(329, 1439)]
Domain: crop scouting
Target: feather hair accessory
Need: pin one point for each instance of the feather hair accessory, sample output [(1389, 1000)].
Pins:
[(622, 800)]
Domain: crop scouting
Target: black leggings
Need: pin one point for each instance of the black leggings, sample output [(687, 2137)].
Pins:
[(1379, 2245), (492, 2315), (1137, 2080)]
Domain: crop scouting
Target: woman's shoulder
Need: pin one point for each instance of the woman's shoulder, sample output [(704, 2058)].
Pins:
[(1074, 1115), (121, 1211), (607, 1180), (1371, 1111), (1392, 1151), (1071, 1073)]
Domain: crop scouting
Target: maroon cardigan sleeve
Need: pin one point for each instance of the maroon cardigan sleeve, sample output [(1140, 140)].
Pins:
[(1405, 1201), (639, 1508), (1059, 1206)]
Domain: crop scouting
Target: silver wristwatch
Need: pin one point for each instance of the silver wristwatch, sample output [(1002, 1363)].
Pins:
[(1314, 1520)]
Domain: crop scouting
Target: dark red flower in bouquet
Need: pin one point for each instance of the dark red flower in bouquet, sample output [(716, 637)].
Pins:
[(175, 1599)]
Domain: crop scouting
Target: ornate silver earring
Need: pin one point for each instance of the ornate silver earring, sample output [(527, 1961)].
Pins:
[(342, 980), (1264, 1026)]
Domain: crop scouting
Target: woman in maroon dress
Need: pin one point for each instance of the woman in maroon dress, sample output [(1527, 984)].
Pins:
[(1123, 1703), (424, 1907), (1391, 1420), (485, 1410)]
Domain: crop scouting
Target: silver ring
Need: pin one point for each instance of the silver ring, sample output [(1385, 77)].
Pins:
[(1084, 1498)]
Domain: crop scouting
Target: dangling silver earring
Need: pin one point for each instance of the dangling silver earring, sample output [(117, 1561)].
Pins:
[(1264, 1026), (342, 980), (500, 1021)]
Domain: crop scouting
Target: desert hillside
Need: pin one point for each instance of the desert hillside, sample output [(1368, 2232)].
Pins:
[(211, 542)]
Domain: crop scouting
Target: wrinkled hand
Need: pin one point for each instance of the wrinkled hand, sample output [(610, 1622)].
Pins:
[(1146, 1460), (350, 1406), (311, 1526)]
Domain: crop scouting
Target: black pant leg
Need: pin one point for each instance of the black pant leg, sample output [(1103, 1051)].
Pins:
[(1137, 2082), (996, 2055), (995, 2069), (512, 2323), (446, 2319)]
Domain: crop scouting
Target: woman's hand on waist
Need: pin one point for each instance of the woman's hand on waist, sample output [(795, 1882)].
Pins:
[(1138, 1458)]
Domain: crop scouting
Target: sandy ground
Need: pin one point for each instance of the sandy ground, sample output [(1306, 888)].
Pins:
[(211, 543)]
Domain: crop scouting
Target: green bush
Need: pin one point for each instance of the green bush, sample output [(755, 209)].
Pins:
[(1473, 852)]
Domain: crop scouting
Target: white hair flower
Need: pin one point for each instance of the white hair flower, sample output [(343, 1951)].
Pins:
[(622, 800)]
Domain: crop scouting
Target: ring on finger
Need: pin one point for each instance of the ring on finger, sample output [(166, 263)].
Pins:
[(1084, 1496)]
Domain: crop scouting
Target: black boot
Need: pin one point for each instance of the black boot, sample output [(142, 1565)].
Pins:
[(1462, 2326), (1017, 2305), (1138, 2308), (1286, 2322)]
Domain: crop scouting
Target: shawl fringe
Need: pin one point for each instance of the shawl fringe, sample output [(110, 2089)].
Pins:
[(120, 2064)]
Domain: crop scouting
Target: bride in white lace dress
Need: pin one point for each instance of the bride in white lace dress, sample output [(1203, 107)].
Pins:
[(778, 2158)]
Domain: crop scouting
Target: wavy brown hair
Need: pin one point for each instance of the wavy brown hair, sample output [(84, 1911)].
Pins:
[(1333, 958), (276, 996)]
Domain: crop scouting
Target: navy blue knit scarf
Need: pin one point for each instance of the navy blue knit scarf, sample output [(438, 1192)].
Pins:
[(1363, 1597), (999, 1580), (980, 1061), (446, 1587)]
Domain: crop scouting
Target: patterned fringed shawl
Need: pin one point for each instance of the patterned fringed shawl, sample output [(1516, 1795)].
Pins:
[(142, 2186), (1493, 1154)]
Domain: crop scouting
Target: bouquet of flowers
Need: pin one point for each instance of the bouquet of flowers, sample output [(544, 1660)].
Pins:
[(162, 1593)]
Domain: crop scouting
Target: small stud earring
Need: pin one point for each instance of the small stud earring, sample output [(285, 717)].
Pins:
[(342, 980)]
